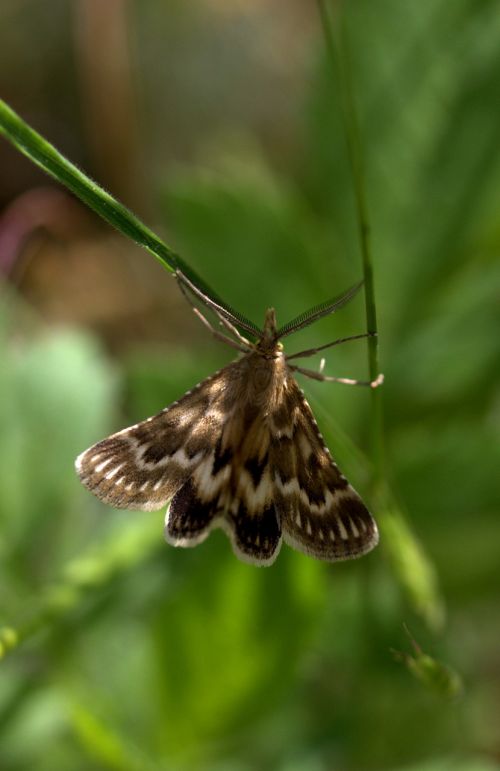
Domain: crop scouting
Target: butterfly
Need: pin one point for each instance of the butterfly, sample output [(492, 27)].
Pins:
[(241, 451)]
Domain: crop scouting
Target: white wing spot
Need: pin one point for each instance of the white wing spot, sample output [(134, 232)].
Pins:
[(308, 527), (120, 481), (210, 485), (298, 520), (157, 485), (126, 430), (305, 447), (182, 459), (114, 471), (283, 432), (144, 486), (343, 532), (255, 497), (354, 529), (184, 418), (102, 465), (320, 534), (332, 535), (292, 486), (130, 486)]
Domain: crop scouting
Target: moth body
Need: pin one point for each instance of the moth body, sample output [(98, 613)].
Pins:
[(241, 451)]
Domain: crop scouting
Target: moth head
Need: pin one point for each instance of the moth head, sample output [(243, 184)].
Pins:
[(270, 325), (268, 342)]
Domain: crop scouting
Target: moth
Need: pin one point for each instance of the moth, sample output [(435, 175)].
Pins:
[(241, 451)]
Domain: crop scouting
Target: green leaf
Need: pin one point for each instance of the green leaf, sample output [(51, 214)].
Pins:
[(45, 155)]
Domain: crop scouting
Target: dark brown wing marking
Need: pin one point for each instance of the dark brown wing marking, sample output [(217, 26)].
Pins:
[(143, 466), (321, 514), (231, 488)]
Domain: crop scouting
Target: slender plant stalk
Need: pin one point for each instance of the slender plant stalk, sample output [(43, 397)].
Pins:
[(414, 571), (45, 155), (338, 54), (50, 160)]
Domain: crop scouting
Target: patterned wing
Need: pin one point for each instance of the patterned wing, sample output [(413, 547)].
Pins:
[(143, 466), (321, 514), (232, 488)]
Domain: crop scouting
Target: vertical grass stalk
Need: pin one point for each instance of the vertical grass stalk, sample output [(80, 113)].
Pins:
[(338, 55), (414, 571)]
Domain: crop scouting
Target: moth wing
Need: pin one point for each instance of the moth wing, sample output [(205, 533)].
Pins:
[(195, 508), (231, 488), (142, 467), (321, 514), (251, 519)]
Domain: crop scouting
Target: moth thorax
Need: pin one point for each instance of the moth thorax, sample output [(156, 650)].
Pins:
[(262, 375)]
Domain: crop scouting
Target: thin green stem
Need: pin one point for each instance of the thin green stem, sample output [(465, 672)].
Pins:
[(50, 160), (338, 54), (45, 155), (414, 571)]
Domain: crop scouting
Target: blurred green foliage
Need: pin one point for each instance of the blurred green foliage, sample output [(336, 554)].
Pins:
[(137, 656)]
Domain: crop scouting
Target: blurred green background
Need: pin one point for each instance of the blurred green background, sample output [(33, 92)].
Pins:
[(218, 123)]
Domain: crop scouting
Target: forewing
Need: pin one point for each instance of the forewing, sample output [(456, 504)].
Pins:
[(321, 514), (144, 465)]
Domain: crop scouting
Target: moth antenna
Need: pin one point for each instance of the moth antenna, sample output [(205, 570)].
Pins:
[(316, 313)]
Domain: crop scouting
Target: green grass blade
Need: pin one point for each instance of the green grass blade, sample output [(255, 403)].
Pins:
[(48, 158), (45, 155), (336, 45), (420, 585)]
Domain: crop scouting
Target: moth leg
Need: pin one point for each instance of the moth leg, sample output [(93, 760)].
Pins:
[(346, 380), (312, 351), (220, 310), (218, 335), (231, 328)]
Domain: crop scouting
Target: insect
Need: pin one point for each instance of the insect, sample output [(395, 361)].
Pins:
[(241, 451)]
